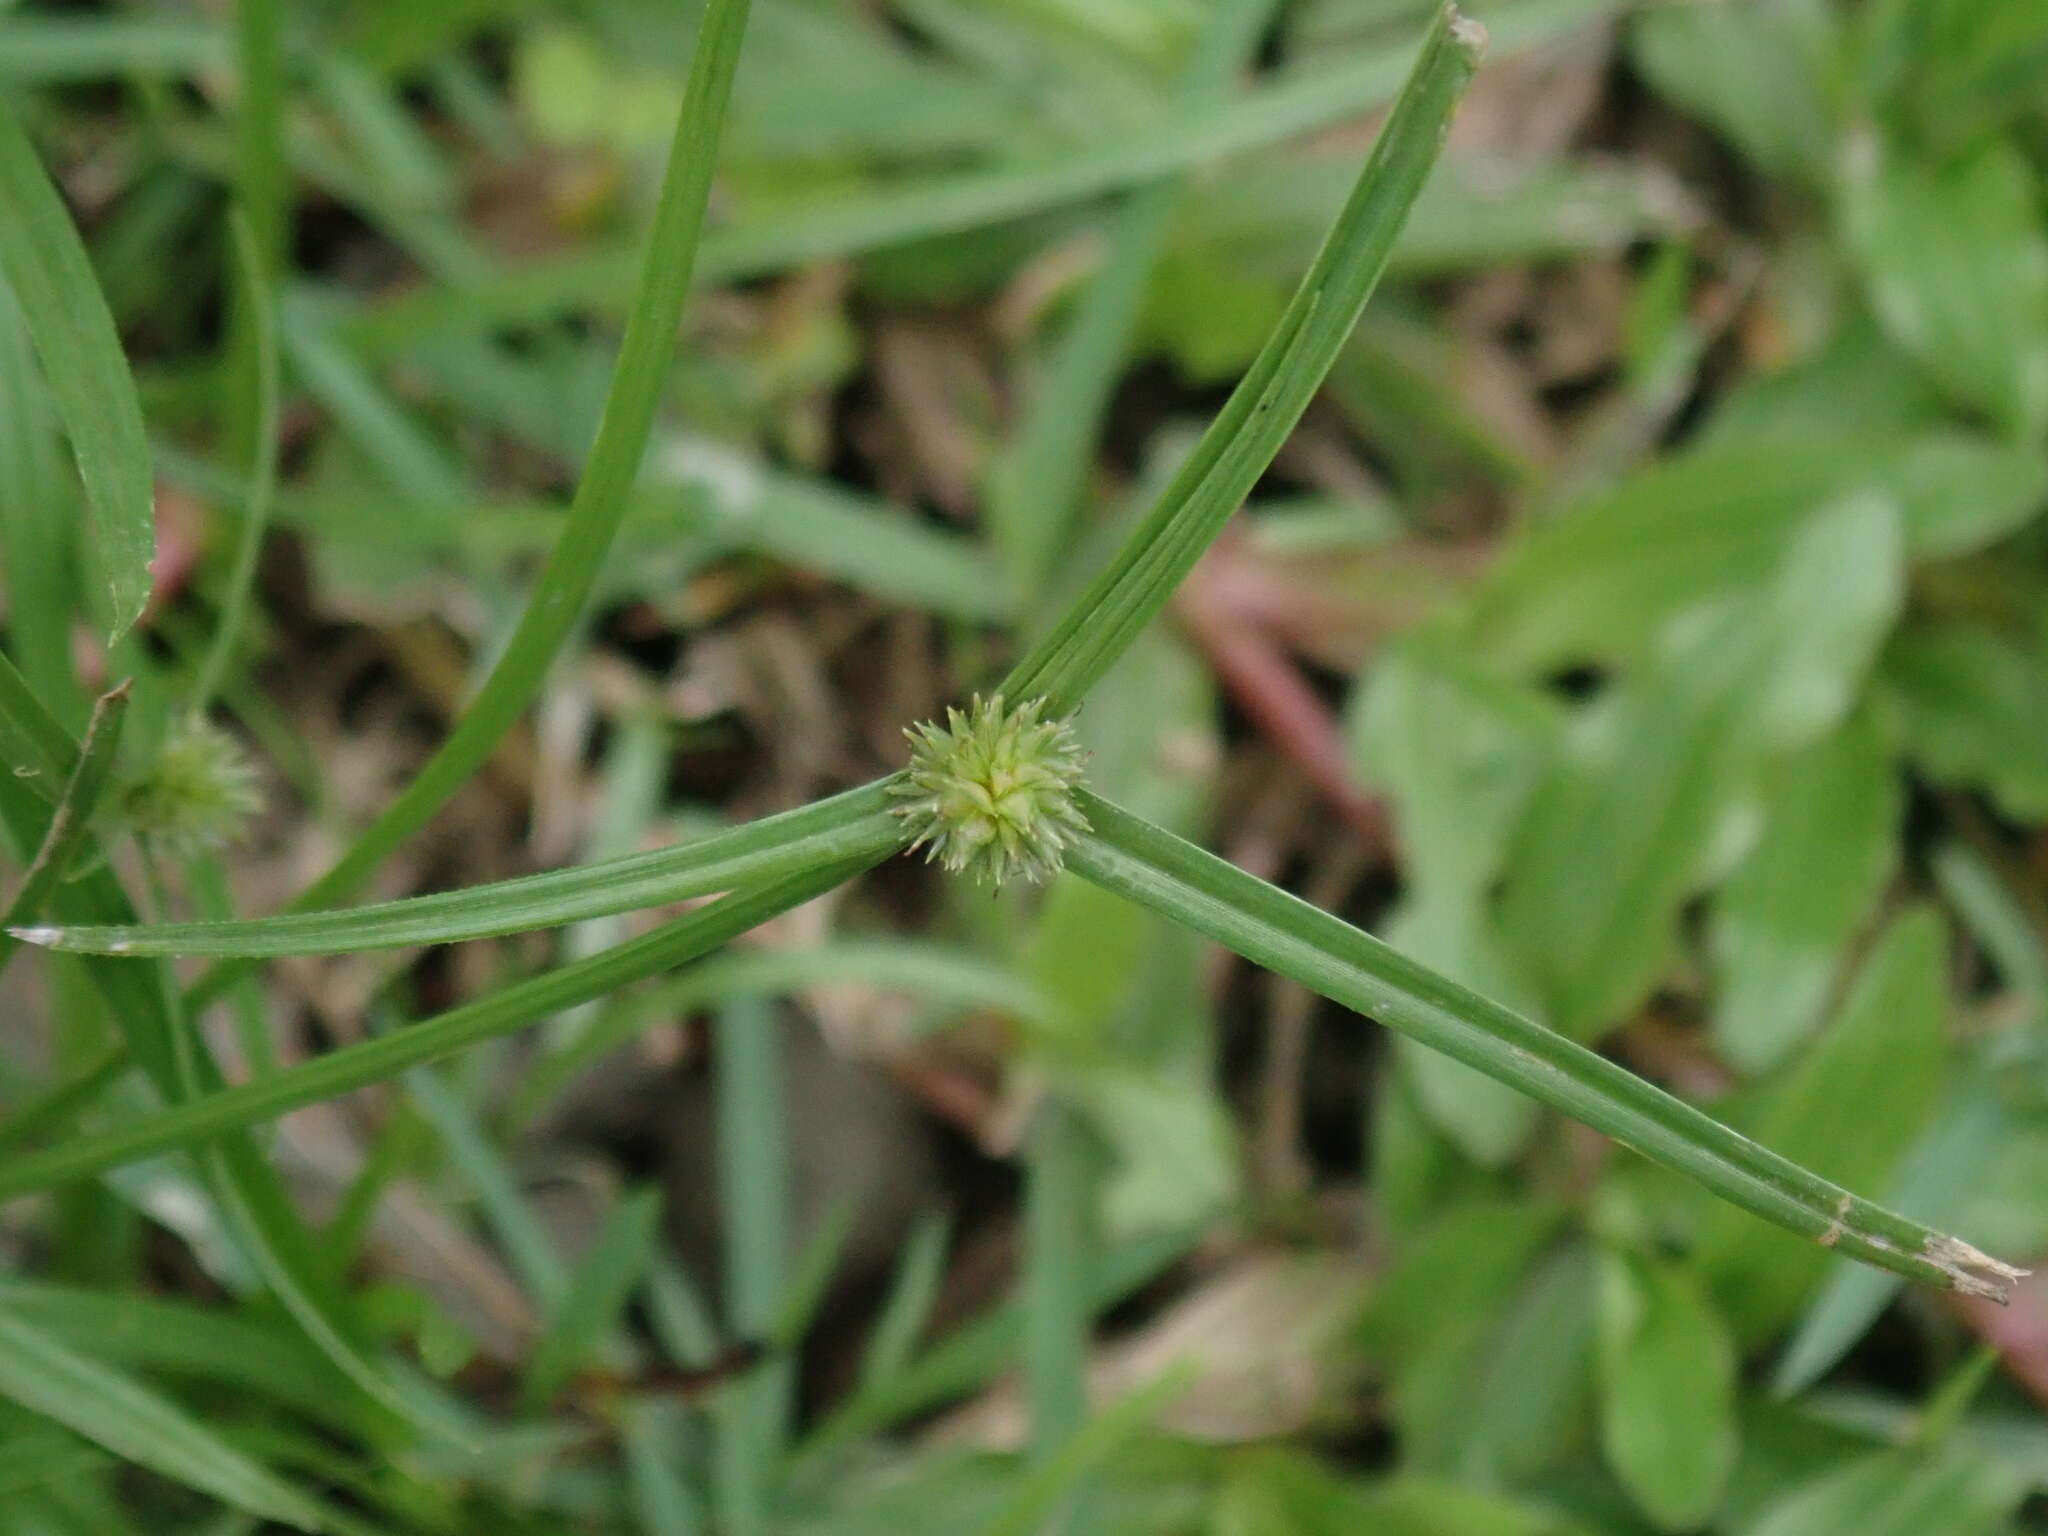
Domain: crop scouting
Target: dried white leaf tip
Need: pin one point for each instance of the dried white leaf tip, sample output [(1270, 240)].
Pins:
[(992, 790), (1972, 1271)]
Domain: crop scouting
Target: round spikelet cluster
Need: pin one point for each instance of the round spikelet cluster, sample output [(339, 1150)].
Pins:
[(198, 793), (992, 790)]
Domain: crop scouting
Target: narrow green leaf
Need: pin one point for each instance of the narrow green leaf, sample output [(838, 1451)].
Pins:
[(844, 226), (754, 1192), (115, 1411), (257, 358), (37, 748), (1902, 1493), (1267, 402), (853, 825), (70, 822), (56, 1105), (1276, 930), (143, 1002), (1094, 1443), (1060, 1242), (1037, 477), (604, 490), (1851, 1106), (186, 1341), (44, 262), (245, 1104), (596, 1297), (1943, 1171), (1667, 1391), (915, 1287)]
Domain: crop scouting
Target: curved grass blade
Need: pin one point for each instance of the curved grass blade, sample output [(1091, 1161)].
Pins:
[(775, 242), (514, 1007), (604, 490), (69, 822), (256, 420), (115, 1411), (144, 1003), (929, 972), (1036, 479), (855, 825), (1277, 388), (595, 1298), (1271, 928), (44, 262)]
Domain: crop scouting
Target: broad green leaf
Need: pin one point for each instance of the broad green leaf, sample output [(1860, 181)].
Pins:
[(1975, 709), (1457, 753), (1901, 1493), (1756, 72), (44, 262), (1263, 409), (1667, 1391), (1285, 1490), (1435, 1320), (1955, 258), (1783, 918), (1271, 928), (1848, 1109), (116, 1411), (1601, 581), (1627, 822)]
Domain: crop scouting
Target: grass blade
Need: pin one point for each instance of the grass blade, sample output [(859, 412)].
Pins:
[(1267, 402), (595, 1298), (854, 825), (934, 206), (1273, 929), (71, 820), (55, 1105), (44, 261), (257, 374), (372, 1061), (115, 1411), (1059, 1218), (754, 1217), (1037, 479), (603, 492)]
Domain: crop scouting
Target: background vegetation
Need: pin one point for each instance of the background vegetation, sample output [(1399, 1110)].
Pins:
[(1646, 626)]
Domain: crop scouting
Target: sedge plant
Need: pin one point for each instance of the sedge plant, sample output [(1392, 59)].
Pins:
[(996, 793)]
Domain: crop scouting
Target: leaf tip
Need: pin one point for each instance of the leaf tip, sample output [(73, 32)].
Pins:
[(47, 938), (1972, 1271), (1466, 32)]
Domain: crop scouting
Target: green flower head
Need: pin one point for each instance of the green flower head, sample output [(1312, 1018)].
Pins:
[(993, 790), (198, 794)]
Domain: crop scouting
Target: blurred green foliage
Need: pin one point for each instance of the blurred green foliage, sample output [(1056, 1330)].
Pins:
[(1730, 754)]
